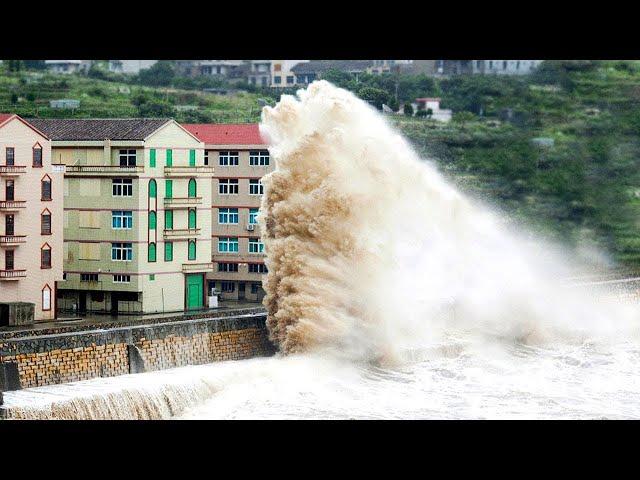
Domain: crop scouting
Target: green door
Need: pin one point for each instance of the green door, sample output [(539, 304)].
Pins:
[(195, 288), (192, 158)]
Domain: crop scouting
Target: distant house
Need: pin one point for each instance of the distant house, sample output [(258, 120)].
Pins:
[(433, 104), (486, 67), (307, 72), (130, 66), (259, 73), (67, 66), (281, 74), (64, 103)]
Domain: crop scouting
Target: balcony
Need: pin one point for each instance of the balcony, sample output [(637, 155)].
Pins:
[(12, 240), (12, 274), (197, 267), (182, 202), (103, 170), (181, 233), (12, 170), (186, 171), (12, 205)]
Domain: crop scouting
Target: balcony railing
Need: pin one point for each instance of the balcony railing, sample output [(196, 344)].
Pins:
[(11, 170), (12, 205), (181, 233), (12, 274), (197, 267), (182, 202), (103, 170), (186, 171), (12, 240)]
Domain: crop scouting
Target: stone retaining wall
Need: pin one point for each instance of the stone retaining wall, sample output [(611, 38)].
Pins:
[(80, 355)]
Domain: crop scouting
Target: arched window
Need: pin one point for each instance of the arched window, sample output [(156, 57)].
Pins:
[(46, 298), (45, 256), (37, 155), (152, 189), (192, 249), (192, 218), (152, 252), (45, 222), (193, 188), (45, 188), (152, 220)]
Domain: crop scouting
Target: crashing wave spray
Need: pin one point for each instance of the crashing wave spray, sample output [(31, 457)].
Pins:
[(370, 252)]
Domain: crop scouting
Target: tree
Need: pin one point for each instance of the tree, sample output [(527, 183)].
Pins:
[(375, 96), (408, 110), (463, 118), (34, 64), (429, 112), (161, 73)]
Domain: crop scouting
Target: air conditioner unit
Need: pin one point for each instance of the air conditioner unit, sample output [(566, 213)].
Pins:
[(250, 227)]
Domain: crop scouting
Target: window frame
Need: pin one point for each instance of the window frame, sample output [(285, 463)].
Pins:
[(256, 183), (125, 153), (46, 180), (227, 242), (123, 185), (123, 217), (123, 250), (45, 265), (43, 231)]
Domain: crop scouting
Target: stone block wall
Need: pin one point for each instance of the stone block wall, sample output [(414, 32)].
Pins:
[(66, 357)]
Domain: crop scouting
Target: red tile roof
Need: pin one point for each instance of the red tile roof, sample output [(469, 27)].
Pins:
[(226, 134), (4, 117)]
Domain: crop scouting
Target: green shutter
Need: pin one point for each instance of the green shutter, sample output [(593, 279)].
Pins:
[(152, 189), (193, 188), (168, 219), (192, 158), (168, 189), (192, 250), (152, 158), (152, 220), (168, 251), (192, 218), (152, 252), (169, 157)]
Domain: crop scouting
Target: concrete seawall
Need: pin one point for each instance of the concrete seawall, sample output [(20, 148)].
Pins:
[(67, 354)]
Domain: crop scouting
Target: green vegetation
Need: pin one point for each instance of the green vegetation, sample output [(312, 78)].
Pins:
[(558, 150), (103, 94)]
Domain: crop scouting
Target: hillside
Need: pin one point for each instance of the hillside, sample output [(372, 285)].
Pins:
[(558, 150)]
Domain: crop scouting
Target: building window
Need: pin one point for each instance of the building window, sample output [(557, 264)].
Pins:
[(122, 279), (122, 187), (169, 161), (290, 79), (193, 188), (153, 189), (168, 219), (37, 156), (153, 219), (45, 256), (228, 186), (127, 158), (152, 158), (255, 287), (192, 250), (46, 298), (168, 251), (227, 216), (45, 223), (152, 277), (227, 244), (227, 159), (45, 189), (227, 287), (258, 268), (10, 156), (255, 187), (9, 190), (259, 158), (277, 80), (8, 260), (227, 267), (253, 216), (193, 218), (168, 189), (122, 219), (192, 158), (88, 277), (151, 254), (206, 157), (255, 245), (122, 252), (504, 65)]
